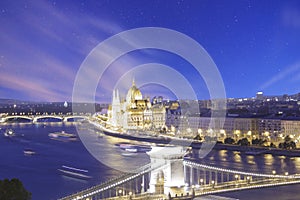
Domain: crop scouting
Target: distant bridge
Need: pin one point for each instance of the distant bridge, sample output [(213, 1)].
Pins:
[(42, 118)]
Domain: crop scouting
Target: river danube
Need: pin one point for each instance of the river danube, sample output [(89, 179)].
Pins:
[(39, 172)]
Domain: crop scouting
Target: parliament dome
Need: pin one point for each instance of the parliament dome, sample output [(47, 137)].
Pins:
[(134, 93)]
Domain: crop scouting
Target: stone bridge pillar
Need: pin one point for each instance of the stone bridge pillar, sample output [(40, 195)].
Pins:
[(167, 175)]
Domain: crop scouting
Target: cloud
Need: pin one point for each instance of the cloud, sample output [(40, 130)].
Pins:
[(43, 48), (30, 87), (291, 70), (34, 67)]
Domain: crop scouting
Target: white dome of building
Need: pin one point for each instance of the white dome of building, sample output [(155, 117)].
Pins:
[(133, 94)]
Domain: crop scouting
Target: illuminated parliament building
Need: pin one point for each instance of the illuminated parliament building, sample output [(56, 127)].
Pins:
[(135, 112)]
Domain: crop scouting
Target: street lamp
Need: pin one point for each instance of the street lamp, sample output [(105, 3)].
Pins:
[(201, 181), (248, 179), (286, 173), (186, 186), (120, 192), (213, 183), (193, 190), (130, 195), (236, 179), (142, 187)]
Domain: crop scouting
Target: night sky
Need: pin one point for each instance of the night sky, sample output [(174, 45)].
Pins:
[(255, 44)]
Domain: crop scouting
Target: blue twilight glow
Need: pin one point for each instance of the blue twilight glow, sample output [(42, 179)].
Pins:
[(255, 44)]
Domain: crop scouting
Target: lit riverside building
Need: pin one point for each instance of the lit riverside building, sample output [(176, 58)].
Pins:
[(135, 112)]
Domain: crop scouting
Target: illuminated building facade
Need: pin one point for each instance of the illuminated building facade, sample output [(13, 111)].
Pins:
[(135, 112)]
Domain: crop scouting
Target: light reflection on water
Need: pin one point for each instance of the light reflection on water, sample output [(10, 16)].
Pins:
[(264, 163), (52, 154), (258, 163)]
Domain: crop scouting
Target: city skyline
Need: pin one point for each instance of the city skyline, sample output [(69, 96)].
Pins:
[(253, 43)]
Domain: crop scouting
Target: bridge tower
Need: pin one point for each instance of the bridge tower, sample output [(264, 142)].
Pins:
[(167, 175)]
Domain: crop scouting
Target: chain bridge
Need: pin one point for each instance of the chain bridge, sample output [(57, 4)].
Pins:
[(170, 176)]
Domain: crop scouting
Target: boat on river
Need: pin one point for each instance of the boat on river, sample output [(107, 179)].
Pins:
[(29, 152), (74, 172), (9, 133), (63, 136), (134, 148)]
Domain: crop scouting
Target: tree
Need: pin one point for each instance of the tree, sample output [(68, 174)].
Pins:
[(272, 145), (287, 138), (229, 140), (288, 143), (243, 142), (281, 145), (13, 190), (163, 130), (198, 137), (292, 145), (258, 142)]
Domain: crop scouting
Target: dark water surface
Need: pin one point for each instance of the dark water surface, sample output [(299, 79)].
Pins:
[(40, 176), (39, 172), (264, 163)]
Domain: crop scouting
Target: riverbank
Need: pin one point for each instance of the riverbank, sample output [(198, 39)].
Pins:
[(254, 150), (251, 150)]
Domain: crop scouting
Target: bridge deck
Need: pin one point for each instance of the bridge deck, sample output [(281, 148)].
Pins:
[(260, 181), (109, 184)]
